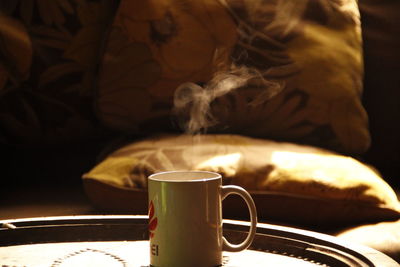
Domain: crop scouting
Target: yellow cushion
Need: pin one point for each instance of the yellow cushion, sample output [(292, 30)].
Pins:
[(268, 69), (289, 182)]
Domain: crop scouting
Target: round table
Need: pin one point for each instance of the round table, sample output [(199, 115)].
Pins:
[(123, 241)]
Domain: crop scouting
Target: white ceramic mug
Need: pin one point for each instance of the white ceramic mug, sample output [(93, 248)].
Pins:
[(185, 219)]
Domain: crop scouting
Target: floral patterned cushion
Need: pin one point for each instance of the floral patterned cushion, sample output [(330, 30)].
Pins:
[(280, 69)]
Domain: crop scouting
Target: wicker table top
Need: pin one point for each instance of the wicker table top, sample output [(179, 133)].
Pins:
[(123, 241)]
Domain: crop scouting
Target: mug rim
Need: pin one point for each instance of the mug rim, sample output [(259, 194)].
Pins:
[(202, 176)]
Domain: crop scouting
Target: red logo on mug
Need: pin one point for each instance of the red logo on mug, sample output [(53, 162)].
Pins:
[(152, 220)]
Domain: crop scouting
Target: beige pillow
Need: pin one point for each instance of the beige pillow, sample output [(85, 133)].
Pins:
[(289, 182)]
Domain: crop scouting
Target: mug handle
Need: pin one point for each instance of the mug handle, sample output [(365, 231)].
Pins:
[(237, 190)]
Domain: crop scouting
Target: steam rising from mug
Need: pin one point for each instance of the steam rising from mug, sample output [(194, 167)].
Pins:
[(192, 102)]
